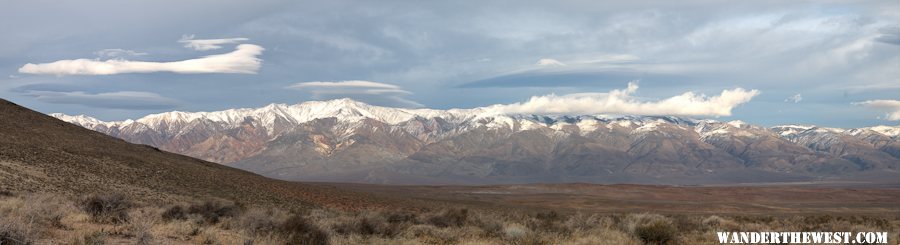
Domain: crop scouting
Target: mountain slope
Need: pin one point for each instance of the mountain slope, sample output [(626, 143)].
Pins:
[(344, 140), (39, 153)]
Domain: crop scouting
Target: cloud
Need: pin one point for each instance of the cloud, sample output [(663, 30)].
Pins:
[(550, 62), (622, 102), (889, 35), (344, 84), (242, 60), (794, 98), (578, 77), (891, 106), (207, 44), (117, 52), (432, 52), (610, 58), (132, 100), (372, 92)]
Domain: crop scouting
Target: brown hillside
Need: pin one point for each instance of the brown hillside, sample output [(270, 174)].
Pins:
[(39, 153)]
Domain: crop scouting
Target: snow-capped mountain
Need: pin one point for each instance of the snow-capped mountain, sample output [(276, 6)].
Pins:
[(348, 140)]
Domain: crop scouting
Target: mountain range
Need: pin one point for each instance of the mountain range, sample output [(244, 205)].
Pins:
[(350, 141)]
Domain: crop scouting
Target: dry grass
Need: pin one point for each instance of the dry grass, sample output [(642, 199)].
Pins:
[(44, 218), (24, 218)]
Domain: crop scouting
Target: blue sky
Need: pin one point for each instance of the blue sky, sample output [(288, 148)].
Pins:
[(831, 63)]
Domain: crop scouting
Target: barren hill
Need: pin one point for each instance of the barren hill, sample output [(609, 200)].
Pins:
[(39, 153)]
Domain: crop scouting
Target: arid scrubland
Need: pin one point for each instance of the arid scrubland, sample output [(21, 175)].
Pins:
[(112, 219)]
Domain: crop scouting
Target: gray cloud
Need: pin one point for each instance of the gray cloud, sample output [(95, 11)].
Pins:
[(118, 53), (132, 100), (573, 78), (890, 35), (207, 44)]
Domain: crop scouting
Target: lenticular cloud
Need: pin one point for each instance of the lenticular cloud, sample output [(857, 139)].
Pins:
[(622, 102), (208, 44), (244, 59)]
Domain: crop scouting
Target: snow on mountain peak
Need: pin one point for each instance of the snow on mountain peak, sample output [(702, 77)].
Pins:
[(345, 110), (791, 129), (737, 123), (348, 110), (78, 119), (891, 131)]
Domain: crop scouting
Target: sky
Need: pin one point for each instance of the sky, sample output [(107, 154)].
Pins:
[(827, 63)]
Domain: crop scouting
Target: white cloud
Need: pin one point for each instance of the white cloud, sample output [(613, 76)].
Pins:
[(891, 106), (374, 92), (344, 84), (349, 87), (133, 100), (242, 60), (549, 62), (117, 52), (207, 44), (794, 98), (609, 58), (622, 102)]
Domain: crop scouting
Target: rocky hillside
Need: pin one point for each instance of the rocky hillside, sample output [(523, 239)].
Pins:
[(39, 153)]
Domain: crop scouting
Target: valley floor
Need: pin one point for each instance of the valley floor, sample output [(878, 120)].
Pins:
[(503, 214), (773, 199), (36, 218)]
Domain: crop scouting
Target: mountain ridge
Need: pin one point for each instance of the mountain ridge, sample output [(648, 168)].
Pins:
[(235, 115), (346, 140)]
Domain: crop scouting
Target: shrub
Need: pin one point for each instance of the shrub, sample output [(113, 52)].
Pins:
[(179, 229), (31, 216), (368, 225), (208, 236), (213, 212), (298, 230), (12, 234), (428, 234), (46, 209), (515, 231), (92, 238), (451, 217), (581, 222), (651, 228), (491, 227), (712, 222), (106, 208), (551, 216), (656, 232), (549, 221), (261, 221), (401, 217), (140, 226), (173, 213), (607, 236)]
